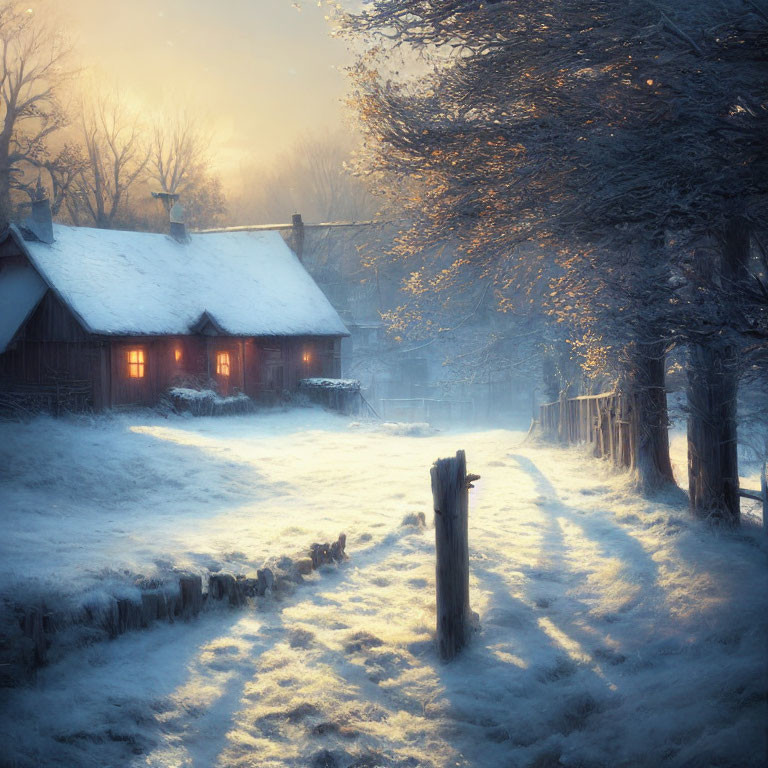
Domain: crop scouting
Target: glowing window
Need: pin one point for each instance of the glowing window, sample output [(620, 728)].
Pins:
[(177, 354), (306, 357), (135, 363), (222, 363)]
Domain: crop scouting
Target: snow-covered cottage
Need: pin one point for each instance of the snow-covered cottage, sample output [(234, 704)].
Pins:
[(122, 316)]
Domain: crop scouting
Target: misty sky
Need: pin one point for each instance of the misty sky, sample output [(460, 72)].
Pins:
[(264, 72)]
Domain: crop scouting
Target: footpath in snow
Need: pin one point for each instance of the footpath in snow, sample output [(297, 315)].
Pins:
[(614, 631)]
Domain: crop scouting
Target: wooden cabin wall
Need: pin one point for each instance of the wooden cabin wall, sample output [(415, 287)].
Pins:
[(169, 361), (233, 383), (146, 388), (53, 321), (266, 362), (324, 354), (275, 364), (52, 350), (197, 365), (253, 357), (53, 346), (311, 357)]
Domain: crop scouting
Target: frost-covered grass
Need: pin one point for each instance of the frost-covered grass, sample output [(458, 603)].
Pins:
[(614, 631)]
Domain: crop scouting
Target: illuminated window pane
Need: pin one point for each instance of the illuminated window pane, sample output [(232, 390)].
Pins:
[(177, 354), (307, 356), (222, 363), (136, 363)]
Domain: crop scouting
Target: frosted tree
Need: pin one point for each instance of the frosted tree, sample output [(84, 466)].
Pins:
[(606, 135), (178, 151)]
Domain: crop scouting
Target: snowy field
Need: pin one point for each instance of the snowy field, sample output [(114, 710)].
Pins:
[(615, 632)]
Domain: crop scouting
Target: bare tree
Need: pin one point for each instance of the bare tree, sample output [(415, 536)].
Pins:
[(312, 178), (179, 162), (179, 151), (62, 169), (116, 158), (32, 57)]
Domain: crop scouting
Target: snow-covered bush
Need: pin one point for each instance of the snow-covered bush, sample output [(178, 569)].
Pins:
[(206, 402)]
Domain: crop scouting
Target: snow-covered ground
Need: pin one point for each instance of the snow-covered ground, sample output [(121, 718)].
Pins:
[(614, 631)]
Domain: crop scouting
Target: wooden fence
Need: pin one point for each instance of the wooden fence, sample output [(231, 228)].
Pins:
[(54, 396), (605, 421)]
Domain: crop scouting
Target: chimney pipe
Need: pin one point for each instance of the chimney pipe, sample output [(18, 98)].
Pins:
[(297, 235), (178, 227), (39, 223)]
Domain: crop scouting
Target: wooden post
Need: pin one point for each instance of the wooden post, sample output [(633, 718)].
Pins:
[(450, 493), (764, 490), (612, 426), (562, 425)]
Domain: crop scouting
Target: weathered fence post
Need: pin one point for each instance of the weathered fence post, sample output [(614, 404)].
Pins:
[(450, 493), (764, 491), (563, 423)]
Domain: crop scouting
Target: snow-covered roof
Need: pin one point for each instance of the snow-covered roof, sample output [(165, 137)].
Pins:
[(20, 290), (142, 283)]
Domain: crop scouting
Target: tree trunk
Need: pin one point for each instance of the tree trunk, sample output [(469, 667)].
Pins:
[(713, 370), (649, 420), (550, 379), (713, 476), (6, 211)]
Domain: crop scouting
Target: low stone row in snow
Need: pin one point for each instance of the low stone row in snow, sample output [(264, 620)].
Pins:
[(237, 589), (29, 633)]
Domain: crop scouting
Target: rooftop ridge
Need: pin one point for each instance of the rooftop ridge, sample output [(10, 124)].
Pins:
[(273, 227)]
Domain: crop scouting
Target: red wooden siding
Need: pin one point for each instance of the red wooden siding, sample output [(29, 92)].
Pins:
[(262, 368)]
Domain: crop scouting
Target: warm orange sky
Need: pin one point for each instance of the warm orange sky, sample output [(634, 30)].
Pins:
[(264, 72)]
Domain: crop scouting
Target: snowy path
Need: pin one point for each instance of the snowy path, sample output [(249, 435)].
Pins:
[(614, 631)]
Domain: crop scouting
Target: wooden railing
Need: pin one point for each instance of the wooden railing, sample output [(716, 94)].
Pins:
[(761, 495), (54, 396), (605, 421)]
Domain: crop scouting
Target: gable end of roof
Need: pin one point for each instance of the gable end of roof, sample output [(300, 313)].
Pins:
[(206, 324)]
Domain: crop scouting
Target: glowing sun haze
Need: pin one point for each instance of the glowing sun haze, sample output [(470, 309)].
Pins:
[(264, 72)]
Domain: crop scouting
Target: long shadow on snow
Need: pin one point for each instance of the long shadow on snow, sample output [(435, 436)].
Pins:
[(578, 621), (561, 694), (354, 680), (365, 661), (575, 691)]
